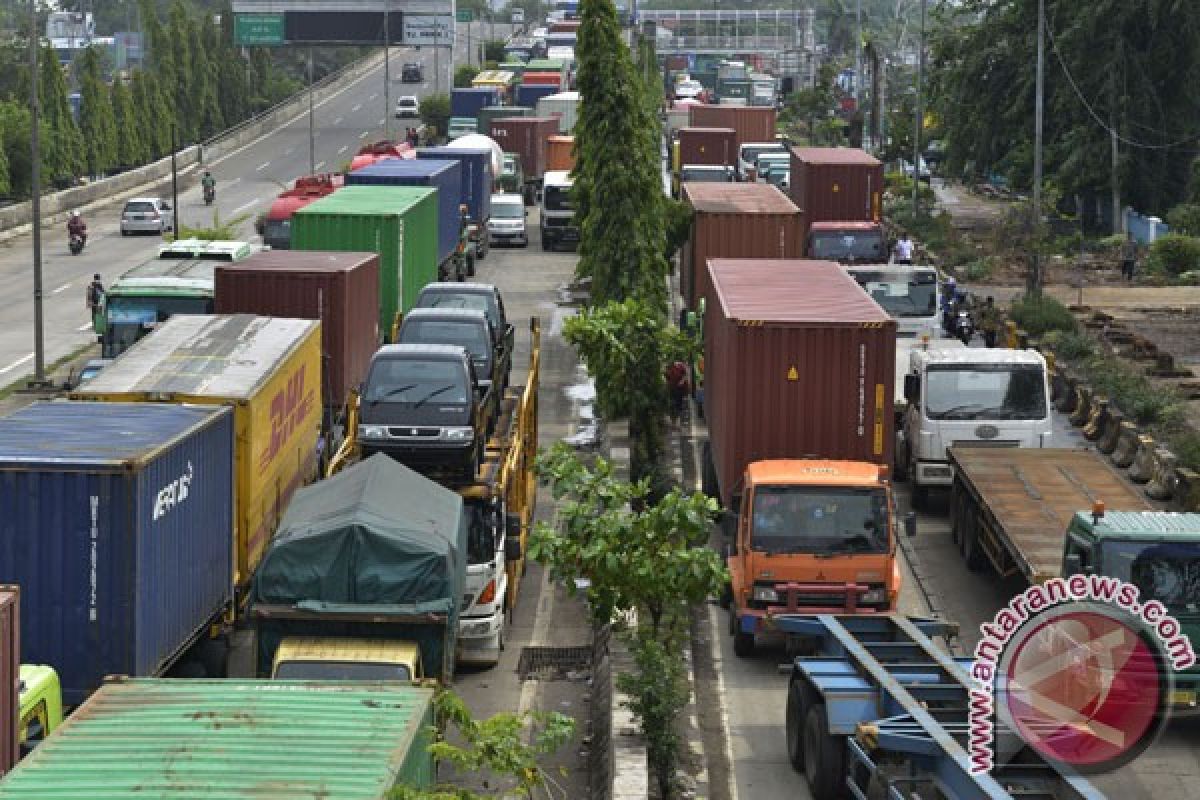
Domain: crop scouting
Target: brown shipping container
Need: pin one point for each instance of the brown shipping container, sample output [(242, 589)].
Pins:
[(716, 146), (836, 184), (798, 362), (339, 289), (565, 26), (735, 220), (10, 674), (542, 79), (525, 136), (752, 123), (560, 153)]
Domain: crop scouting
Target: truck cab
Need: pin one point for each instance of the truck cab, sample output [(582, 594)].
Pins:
[(558, 215), (277, 225), (422, 405), (911, 295), (479, 296), (461, 126), (968, 397), (846, 242), (469, 329), (800, 518), (318, 658), (39, 705)]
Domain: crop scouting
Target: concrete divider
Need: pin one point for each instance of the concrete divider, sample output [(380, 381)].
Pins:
[(1162, 478), (1067, 400), (1083, 405), (1128, 443), (1093, 429), (1110, 434), (1142, 468)]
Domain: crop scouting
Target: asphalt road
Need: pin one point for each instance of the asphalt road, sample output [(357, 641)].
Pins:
[(247, 181)]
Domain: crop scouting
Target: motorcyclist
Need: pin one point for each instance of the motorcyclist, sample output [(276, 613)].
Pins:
[(949, 304), (208, 182), (76, 226)]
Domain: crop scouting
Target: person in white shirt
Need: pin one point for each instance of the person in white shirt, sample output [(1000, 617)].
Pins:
[(904, 250)]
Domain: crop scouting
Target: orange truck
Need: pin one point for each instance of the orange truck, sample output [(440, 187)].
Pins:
[(799, 365)]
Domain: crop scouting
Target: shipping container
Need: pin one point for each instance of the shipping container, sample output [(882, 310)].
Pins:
[(527, 137), (560, 153), (564, 106), (268, 369), (528, 95), (478, 180), (467, 102), (554, 78), (565, 26), (335, 288), (836, 184), (397, 223), (735, 220), (10, 675), (117, 526), (443, 175), (491, 113), (708, 146), (236, 740), (798, 362), (752, 124)]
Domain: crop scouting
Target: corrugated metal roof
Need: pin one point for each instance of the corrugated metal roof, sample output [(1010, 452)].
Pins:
[(369, 200), (301, 261), (227, 739), (1151, 524), (738, 198), (222, 356), (406, 166), (791, 290), (834, 155), (91, 433)]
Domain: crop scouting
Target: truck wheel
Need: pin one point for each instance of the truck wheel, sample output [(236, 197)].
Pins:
[(824, 756), (797, 709), (743, 643), (708, 472)]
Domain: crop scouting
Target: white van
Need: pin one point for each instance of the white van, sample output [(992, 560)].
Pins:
[(507, 223)]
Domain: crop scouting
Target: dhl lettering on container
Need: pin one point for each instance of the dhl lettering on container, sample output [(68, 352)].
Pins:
[(269, 371)]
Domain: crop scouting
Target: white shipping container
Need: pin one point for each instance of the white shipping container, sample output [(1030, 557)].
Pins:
[(563, 106)]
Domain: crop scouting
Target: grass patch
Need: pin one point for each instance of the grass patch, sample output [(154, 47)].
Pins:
[(1037, 316)]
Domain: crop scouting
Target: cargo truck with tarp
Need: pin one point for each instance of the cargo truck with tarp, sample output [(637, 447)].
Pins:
[(375, 554), (269, 371), (118, 527), (236, 740)]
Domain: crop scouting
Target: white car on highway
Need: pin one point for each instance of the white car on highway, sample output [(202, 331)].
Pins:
[(407, 107), (146, 215)]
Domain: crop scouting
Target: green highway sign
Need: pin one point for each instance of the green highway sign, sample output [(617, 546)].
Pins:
[(463, 15), (258, 29)]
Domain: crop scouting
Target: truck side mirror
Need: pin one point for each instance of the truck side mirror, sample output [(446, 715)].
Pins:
[(912, 388), (910, 524), (512, 525), (1072, 564)]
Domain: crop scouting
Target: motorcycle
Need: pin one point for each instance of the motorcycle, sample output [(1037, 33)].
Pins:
[(210, 194), (76, 242), (964, 326)]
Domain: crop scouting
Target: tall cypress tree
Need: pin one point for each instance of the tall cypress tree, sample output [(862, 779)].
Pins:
[(132, 148), (14, 141), (96, 119), (181, 95), (63, 154)]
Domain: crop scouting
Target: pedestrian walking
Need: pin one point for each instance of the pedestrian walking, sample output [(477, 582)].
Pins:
[(94, 301), (678, 385), (904, 250), (989, 322), (1129, 253)]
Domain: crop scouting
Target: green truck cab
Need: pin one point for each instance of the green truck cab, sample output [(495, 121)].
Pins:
[(1156, 551), (179, 280), (304, 658), (461, 126), (512, 175), (39, 705)]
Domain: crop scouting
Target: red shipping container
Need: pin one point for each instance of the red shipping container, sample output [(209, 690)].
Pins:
[(677, 63), (798, 362), (836, 184), (752, 123), (565, 26), (339, 289), (735, 220), (716, 146), (560, 153), (542, 79), (526, 137), (10, 675)]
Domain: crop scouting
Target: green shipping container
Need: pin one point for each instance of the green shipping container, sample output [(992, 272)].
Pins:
[(234, 740), (399, 223)]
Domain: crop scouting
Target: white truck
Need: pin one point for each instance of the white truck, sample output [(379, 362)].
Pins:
[(910, 294), (967, 397), (558, 222)]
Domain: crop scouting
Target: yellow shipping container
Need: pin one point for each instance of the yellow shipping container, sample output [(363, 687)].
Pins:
[(269, 371)]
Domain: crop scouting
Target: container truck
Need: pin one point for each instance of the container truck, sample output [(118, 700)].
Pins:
[(968, 397), (797, 383), (277, 225), (558, 222), (492, 113), (702, 146), (1042, 514), (563, 106), (526, 137), (840, 192), (478, 183), (369, 154), (375, 554), (548, 78), (331, 287), (528, 94), (467, 102), (178, 281), (269, 371), (560, 154), (741, 220), (500, 81), (751, 124), (237, 739), (397, 223), (446, 177), (118, 527)]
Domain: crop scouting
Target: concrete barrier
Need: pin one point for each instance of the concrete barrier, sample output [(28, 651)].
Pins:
[(1097, 420), (1110, 435), (1083, 406), (1128, 442), (1067, 401), (1162, 479), (1142, 468)]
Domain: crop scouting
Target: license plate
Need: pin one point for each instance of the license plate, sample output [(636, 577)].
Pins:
[(1183, 697)]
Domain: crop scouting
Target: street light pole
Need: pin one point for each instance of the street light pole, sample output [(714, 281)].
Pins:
[(312, 136), (917, 123), (35, 175), (1035, 270), (387, 72)]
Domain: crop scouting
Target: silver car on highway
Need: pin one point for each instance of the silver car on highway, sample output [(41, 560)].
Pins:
[(146, 215)]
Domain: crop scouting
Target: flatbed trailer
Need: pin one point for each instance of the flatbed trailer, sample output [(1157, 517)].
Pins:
[(1011, 507), (884, 706)]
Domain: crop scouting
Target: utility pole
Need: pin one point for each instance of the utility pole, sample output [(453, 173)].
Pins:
[(312, 135), (174, 183), (1035, 269), (916, 194), (387, 71), (35, 173)]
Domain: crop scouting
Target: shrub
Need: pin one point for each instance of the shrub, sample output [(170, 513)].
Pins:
[(980, 269), (1174, 254), (1186, 445), (1185, 219), (1133, 392), (1071, 345), (1041, 315)]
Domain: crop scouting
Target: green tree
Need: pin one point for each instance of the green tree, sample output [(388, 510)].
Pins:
[(233, 90), (132, 147), (464, 74), (151, 117), (15, 127), (97, 120), (181, 92), (62, 145), (435, 112), (493, 50)]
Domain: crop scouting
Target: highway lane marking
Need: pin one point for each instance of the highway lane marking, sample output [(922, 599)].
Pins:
[(261, 167), (87, 326), (363, 135), (343, 149), (372, 97), (62, 288), (244, 206), (338, 121), (380, 122), (235, 180), (16, 364), (356, 109), (320, 166), (288, 152)]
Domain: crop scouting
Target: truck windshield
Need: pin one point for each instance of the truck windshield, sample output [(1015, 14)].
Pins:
[(277, 233), (402, 380), (913, 295), (508, 211), (705, 176), (133, 309), (558, 198), (805, 519), (481, 544), (985, 391), (847, 246), (1168, 572), (341, 671)]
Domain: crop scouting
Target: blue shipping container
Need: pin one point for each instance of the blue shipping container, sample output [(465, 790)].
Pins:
[(477, 179), (468, 102), (443, 175), (529, 95), (117, 524)]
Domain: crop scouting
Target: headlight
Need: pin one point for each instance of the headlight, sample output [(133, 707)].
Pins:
[(765, 594), (874, 596), (371, 432), (458, 434)]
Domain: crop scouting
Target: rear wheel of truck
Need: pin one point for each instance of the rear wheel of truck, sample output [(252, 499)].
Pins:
[(743, 643), (797, 709), (824, 756)]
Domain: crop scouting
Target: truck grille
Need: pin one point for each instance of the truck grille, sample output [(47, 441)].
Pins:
[(985, 443), (408, 433)]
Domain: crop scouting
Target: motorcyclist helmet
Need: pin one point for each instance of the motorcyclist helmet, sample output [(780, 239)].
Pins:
[(75, 214)]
